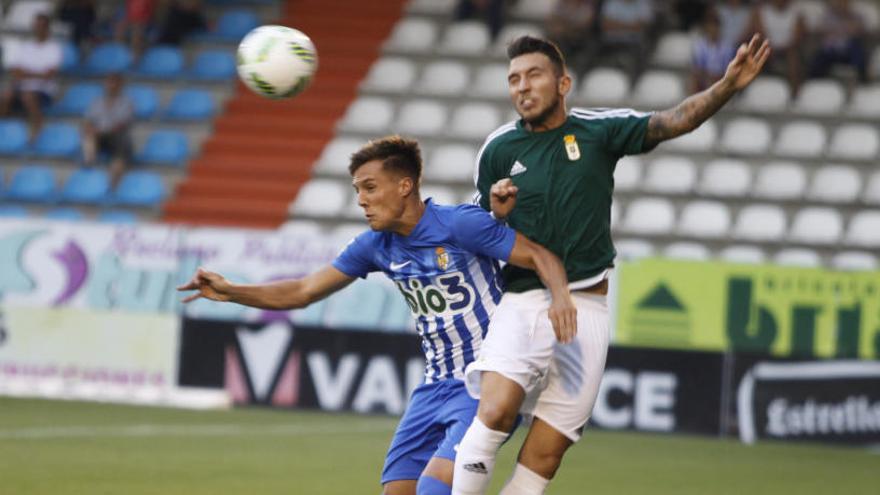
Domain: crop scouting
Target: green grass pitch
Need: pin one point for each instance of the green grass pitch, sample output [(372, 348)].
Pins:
[(49, 447)]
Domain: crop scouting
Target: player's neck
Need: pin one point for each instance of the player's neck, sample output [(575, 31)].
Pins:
[(553, 121), (411, 216)]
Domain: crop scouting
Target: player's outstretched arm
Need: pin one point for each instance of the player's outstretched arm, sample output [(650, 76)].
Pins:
[(280, 295), (696, 109), (533, 256)]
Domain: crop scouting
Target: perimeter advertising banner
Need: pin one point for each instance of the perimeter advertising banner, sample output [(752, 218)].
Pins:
[(782, 311)]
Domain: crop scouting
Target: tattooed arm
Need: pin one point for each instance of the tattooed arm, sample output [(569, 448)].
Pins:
[(696, 109)]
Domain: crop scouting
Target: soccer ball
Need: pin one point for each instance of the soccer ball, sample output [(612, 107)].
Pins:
[(276, 61)]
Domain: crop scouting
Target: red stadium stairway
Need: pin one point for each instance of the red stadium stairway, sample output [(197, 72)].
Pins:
[(262, 151)]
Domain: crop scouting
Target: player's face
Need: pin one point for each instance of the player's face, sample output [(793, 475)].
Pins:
[(381, 194), (535, 89)]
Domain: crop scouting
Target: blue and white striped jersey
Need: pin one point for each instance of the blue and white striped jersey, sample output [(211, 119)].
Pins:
[(447, 270)]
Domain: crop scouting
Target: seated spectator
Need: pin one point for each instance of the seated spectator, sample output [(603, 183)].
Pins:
[(135, 22), (107, 129), (842, 33), (33, 67), (572, 26), (735, 17), (81, 15), (690, 12), (492, 11), (783, 24), (625, 26), (711, 54), (182, 18)]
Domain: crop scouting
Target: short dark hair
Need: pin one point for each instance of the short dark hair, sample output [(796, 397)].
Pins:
[(530, 44), (398, 154)]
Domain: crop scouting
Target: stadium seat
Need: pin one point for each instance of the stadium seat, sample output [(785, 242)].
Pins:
[(413, 35), (69, 57), (144, 98), (474, 121), (303, 228), (139, 188), (854, 261), (451, 163), (165, 147), (864, 229), (119, 217), (704, 219), (535, 10), (511, 32), (746, 136), (670, 175), (767, 94), (604, 86), (77, 99), (465, 38), (802, 257), (739, 253), (191, 104), (390, 75), (820, 97), (726, 177), (359, 306), (633, 249), (869, 12), (816, 225), (13, 137), (652, 216), (437, 7), (20, 16), (865, 101), (444, 77), (345, 232), (760, 223), (855, 142), (813, 11), (835, 184), (658, 89), (108, 58), (491, 81), (13, 211), (65, 214), (160, 62), (368, 114), (780, 181), (687, 251), (628, 173), (336, 155), (702, 139), (422, 118), (872, 189), (320, 198), (801, 139), (231, 26), (439, 194), (213, 65), (674, 50), (86, 185), (32, 183), (58, 140)]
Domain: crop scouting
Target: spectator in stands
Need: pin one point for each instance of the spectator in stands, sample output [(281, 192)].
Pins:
[(783, 24), (711, 54), (181, 18), (492, 11), (625, 27), (735, 16), (33, 66), (81, 15), (572, 25), (690, 12), (135, 22), (842, 34), (107, 128)]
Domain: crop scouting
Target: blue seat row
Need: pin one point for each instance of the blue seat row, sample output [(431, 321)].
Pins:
[(158, 62), (37, 184), (187, 104), (66, 213)]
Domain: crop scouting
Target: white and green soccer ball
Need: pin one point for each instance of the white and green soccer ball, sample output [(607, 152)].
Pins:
[(277, 61)]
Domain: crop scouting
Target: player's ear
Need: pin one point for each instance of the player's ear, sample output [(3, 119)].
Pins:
[(406, 186), (564, 84)]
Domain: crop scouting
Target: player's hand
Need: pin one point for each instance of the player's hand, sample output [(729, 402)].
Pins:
[(563, 317), (209, 285), (502, 198), (748, 62)]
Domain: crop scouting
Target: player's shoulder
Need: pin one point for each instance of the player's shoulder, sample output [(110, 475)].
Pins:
[(457, 218), (587, 117), (499, 136)]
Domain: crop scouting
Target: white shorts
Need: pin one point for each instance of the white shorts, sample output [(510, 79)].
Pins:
[(561, 381)]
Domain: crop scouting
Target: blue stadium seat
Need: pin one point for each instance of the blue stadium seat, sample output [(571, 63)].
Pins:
[(165, 147), (144, 98), (13, 211), (231, 26), (13, 137), (118, 217), (58, 140), (161, 62), (108, 58), (190, 104), (139, 188), (86, 185), (66, 214), (33, 183), (69, 57), (213, 65), (77, 99)]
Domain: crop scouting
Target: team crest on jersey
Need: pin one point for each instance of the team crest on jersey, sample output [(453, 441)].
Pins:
[(571, 147), (442, 258)]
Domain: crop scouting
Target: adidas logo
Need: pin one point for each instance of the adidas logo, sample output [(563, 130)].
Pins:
[(477, 467), (518, 168)]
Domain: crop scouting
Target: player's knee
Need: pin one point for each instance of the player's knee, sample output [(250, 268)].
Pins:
[(544, 462), (497, 416)]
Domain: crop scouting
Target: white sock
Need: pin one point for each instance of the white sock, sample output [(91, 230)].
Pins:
[(524, 481), (475, 459)]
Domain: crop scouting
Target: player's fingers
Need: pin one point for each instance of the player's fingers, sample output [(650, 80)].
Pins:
[(754, 43), (191, 298), (557, 326), (191, 285), (764, 54)]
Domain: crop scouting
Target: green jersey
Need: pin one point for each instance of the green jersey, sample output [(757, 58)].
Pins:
[(565, 178)]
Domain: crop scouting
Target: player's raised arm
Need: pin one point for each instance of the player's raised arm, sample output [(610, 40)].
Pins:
[(280, 295), (696, 109)]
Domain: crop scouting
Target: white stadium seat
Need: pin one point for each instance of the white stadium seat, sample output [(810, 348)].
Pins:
[(368, 114), (671, 175), (674, 50), (865, 101), (451, 163), (320, 198), (347, 231), (835, 184), (604, 86), (802, 139), (628, 173), (437, 7), (740, 253), (705, 219), (802, 257), (760, 223), (465, 38), (869, 12), (390, 74), (854, 261), (537, 10), (703, 138), (511, 32), (864, 229), (474, 121), (726, 177), (820, 97), (816, 225), (633, 249), (872, 190), (336, 156), (491, 81), (413, 35), (767, 94), (649, 216), (422, 118), (855, 142), (658, 89), (687, 251), (302, 228), (780, 181), (445, 78), (746, 136), (440, 195), (814, 11)]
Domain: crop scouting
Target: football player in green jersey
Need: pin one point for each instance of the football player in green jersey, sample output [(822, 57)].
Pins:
[(550, 176)]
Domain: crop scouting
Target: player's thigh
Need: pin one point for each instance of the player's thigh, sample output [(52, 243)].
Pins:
[(400, 487)]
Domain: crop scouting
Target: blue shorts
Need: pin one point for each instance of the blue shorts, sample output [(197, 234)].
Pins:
[(435, 420)]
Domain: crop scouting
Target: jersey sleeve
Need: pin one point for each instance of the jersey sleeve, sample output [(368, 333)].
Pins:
[(474, 230), (485, 175), (625, 132), (356, 258)]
